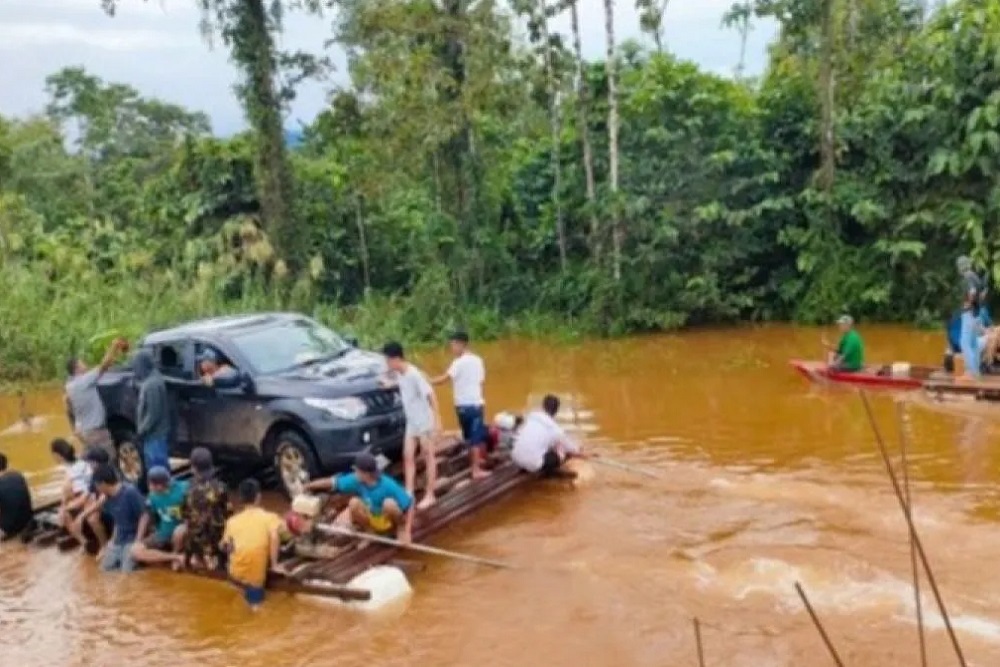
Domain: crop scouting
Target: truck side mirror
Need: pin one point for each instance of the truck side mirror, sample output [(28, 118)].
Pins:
[(246, 382)]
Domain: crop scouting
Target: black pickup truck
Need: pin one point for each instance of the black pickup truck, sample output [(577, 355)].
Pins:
[(306, 400)]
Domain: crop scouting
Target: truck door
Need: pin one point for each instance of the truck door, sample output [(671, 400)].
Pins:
[(229, 420), (172, 359)]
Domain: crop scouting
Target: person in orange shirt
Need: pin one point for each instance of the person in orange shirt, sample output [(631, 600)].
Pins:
[(252, 540)]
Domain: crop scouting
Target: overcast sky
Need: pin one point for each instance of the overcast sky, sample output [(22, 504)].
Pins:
[(156, 47)]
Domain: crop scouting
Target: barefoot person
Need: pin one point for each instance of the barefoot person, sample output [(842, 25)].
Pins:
[(164, 506), (91, 513), (84, 407), (379, 505), (541, 445), (423, 421), (467, 373), (251, 539)]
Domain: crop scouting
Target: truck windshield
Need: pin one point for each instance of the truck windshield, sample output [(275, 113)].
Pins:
[(289, 344)]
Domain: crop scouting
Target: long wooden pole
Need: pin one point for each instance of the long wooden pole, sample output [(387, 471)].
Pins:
[(331, 529), (913, 530), (819, 626), (903, 445), (697, 639), (612, 463)]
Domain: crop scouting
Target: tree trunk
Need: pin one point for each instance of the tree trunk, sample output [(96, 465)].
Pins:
[(363, 244), (583, 120), (253, 50), (555, 121), (658, 35), (617, 233), (827, 83)]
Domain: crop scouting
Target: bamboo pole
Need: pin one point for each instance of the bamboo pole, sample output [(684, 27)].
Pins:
[(903, 446), (819, 625), (915, 538), (697, 639)]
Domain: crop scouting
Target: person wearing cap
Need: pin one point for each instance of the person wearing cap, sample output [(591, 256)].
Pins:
[(467, 374), (206, 508), (379, 504), (164, 507), (849, 355), (153, 412), (423, 419), (84, 407), (215, 373)]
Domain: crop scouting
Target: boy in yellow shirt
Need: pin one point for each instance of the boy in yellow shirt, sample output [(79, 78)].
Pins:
[(252, 541)]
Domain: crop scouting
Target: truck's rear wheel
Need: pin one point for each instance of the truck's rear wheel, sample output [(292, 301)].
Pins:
[(129, 454), (294, 462)]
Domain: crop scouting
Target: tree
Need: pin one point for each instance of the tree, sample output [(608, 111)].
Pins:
[(651, 19), (617, 232)]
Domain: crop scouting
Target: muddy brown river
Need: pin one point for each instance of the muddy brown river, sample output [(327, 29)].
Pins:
[(766, 480)]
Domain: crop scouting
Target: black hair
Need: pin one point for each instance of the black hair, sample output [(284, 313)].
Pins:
[(97, 456), (105, 474), (71, 365), (3, 461), (249, 490), (393, 350), (63, 450), (518, 420), (460, 336), (550, 404)]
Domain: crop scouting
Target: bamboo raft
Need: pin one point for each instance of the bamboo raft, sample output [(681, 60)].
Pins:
[(322, 565)]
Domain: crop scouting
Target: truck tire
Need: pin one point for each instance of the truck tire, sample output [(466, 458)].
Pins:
[(130, 460), (294, 462)]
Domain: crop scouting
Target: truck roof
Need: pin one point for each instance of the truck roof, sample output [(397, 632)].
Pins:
[(216, 327)]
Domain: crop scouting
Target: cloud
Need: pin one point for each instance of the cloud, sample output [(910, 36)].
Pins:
[(22, 36)]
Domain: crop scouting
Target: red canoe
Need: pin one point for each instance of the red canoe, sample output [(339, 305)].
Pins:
[(895, 376)]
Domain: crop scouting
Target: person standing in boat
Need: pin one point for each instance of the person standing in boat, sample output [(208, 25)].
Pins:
[(15, 502), (84, 407), (423, 419), (541, 445), (972, 325), (467, 373), (379, 504), (849, 356)]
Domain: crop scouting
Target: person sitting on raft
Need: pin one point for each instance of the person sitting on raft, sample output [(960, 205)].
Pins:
[(15, 502), (164, 506), (91, 513), (76, 488), (541, 445), (849, 357), (380, 504)]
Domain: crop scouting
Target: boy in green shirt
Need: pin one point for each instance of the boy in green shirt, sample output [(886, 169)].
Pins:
[(850, 353)]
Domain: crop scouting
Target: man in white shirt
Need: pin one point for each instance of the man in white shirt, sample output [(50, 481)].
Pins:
[(467, 374), (541, 446)]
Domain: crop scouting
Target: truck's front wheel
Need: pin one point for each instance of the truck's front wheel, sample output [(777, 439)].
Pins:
[(294, 462)]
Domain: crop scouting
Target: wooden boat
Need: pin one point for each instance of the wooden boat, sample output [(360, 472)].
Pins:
[(900, 377), (984, 389), (322, 565)]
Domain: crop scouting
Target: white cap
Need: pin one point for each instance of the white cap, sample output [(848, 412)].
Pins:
[(505, 420)]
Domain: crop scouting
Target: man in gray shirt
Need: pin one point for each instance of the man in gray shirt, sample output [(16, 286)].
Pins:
[(83, 403), (153, 413)]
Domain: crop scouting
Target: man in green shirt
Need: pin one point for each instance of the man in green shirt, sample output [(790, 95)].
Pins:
[(850, 353)]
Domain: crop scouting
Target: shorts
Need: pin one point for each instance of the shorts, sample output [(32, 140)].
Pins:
[(379, 523), (422, 430), (158, 543), (550, 463), (473, 424), (118, 557), (254, 595)]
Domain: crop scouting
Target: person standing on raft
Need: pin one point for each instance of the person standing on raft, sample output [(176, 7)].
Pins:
[(468, 373), (541, 445), (972, 318), (153, 413), (84, 407), (379, 505), (849, 357), (423, 419)]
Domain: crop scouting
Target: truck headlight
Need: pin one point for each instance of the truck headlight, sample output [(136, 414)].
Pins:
[(349, 408)]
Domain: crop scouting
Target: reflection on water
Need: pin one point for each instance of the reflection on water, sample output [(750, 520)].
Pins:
[(766, 480)]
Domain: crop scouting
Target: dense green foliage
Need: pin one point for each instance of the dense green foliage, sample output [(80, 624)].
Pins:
[(424, 196)]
